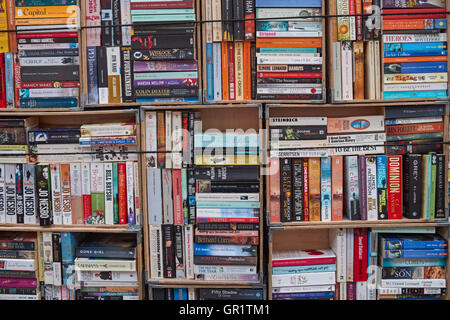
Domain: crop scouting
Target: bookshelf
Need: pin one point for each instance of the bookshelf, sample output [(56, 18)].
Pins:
[(221, 117)]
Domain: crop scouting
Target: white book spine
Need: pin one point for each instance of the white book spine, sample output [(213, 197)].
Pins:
[(85, 264), (356, 139), (167, 196), (347, 70), (155, 238), (57, 294), (168, 123), (47, 244), (377, 59), (191, 294), (51, 92), (305, 279), (151, 138), (201, 269), (217, 67), (208, 16), (66, 195), (405, 38), (10, 190), (177, 129), (406, 78), (309, 90), (57, 276), (189, 250), (361, 290), (290, 144), (244, 197), (372, 193), (289, 60), (2, 194), (298, 121), (414, 283), (349, 252), (338, 245), (412, 120), (112, 276), (20, 297), (137, 194), (356, 150), (97, 187), (337, 77), (343, 291), (76, 193), (415, 86), (130, 193), (154, 196), (109, 201), (305, 289), (18, 264), (125, 13)]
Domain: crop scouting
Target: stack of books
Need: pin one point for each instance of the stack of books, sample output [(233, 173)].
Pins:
[(414, 129), (13, 141), (106, 268), (229, 52), (413, 267), (46, 67), (18, 267), (152, 61), (354, 50), (303, 275), (289, 51), (415, 49)]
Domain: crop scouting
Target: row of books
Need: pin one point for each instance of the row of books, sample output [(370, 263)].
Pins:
[(206, 294), (67, 266), (358, 188), (152, 61), (364, 264)]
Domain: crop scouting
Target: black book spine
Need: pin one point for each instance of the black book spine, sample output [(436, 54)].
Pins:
[(227, 17), (159, 294), (48, 40), (413, 186), (440, 187), (164, 54), (49, 73), (19, 194), (227, 173), (168, 250), (191, 133), (179, 249), (148, 42), (222, 260), (191, 195), (253, 67), (376, 10), (249, 25), (227, 226), (56, 246), (127, 75), (230, 294), (286, 189), (238, 16), (102, 67), (106, 20), (297, 190), (166, 92), (117, 37), (44, 192)]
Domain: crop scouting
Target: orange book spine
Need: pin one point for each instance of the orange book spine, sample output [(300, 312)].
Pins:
[(415, 128), (337, 187), (415, 59), (122, 188), (305, 189), (314, 189), (10, 6), (161, 139), (42, 21), (225, 84), (407, 24), (247, 71), (176, 196), (289, 42), (274, 190), (358, 80)]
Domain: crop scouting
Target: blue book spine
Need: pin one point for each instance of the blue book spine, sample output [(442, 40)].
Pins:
[(288, 3), (236, 213), (228, 204), (185, 99), (272, 26), (415, 94), (209, 72), (415, 67), (325, 188), (415, 254), (131, 140), (353, 208), (415, 46), (59, 102), (217, 63), (304, 269), (413, 299), (414, 111), (415, 53), (224, 250), (396, 243), (92, 75), (414, 262), (9, 79), (440, 23), (382, 187), (303, 295), (180, 294)]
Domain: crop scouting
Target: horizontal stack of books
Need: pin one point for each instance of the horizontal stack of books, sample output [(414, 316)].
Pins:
[(106, 269), (18, 267), (413, 267), (415, 49), (303, 275), (289, 51)]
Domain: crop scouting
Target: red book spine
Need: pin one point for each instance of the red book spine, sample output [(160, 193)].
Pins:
[(359, 20), (87, 208), (314, 75), (47, 35), (122, 188), (305, 189), (2, 81), (394, 187), (430, 13), (17, 81), (176, 196), (337, 187), (232, 91), (229, 220), (360, 255), (303, 262), (274, 185)]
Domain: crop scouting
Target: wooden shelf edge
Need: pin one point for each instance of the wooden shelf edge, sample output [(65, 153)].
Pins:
[(71, 228)]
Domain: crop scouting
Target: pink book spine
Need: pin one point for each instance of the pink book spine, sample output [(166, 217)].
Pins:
[(18, 282), (177, 199), (302, 262)]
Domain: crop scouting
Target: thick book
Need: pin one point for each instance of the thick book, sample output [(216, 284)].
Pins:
[(303, 257)]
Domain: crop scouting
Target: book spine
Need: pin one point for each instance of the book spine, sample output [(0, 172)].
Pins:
[(109, 200), (297, 189), (102, 71), (19, 194), (86, 192), (191, 196), (217, 67), (337, 185), (433, 186), (131, 210), (29, 191), (382, 187), (231, 70), (371, 182), (314, 189), (2, 194), (440, 187), (167, 191), (168, 250), (97, 193), (362, 186), (113, 69), (325, 186), (137, 194), (177, 197), (352, 197), (180, 271), (115, 192), (10, 192), (127, 85), (394, 187), (412, 175), (286, 189), (305, 164), (155, 236), (67, 211), (122, 190)]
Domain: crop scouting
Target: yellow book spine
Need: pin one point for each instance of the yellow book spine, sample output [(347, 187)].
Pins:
[(47, 12), (229, 160), (4, 36), (239, 69)]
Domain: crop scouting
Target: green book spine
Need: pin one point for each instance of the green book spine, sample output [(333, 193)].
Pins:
[(165, 17), (415, 136), (433, 186), (115, 194), (98, 207)]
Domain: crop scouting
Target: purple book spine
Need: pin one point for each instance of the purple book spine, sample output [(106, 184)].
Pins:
[(147, 66), (18, 282), (167, 82), (363, 187), (393, 4), (351, 291)]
